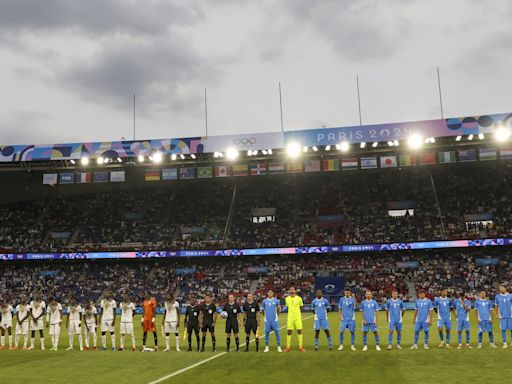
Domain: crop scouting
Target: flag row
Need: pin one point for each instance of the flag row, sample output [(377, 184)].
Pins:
[(84, 177)]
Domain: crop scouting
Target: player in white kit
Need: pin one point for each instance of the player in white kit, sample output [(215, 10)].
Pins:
[(22, 316), (108, 320), (53, 321), (37, 311), (74, 324), (171, 322), (127, 313), (6, 324), (90, 315)]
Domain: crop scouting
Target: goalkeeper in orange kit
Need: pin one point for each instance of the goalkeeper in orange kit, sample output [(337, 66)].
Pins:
[(148, 320)]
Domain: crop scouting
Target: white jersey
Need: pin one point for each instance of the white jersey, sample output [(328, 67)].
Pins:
[(37, 308), (22, 311), (7, 314), (74, 312), (171, 311), (107, 309), (89, 314), (53, 315), (127, 310)]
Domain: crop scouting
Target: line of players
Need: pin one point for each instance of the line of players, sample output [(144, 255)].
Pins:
[(201, 318)]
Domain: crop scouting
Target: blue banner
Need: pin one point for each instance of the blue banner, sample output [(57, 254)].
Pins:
[(330, 286), (487, 261)]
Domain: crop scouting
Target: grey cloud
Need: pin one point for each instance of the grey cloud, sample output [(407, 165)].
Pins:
[(16, 126)]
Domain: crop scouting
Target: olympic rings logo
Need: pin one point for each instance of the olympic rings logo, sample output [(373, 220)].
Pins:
[(245, 142)]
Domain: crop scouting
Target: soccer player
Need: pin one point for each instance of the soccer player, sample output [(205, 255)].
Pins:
[(74, 323), (207, 319), (503, 304), (126, 328), (294, 304), (148, 320), (37, 311), (53, 321), (320, 307), (6, 324), (271, 310), (422, 318), (443, 304), (370, 310), (347, 314), (192, 322), (108, 320), (91, 323), (22, 315), (232, 322), (395, 313), (171, 322), (462, 308), (251, 321), (483, 312)]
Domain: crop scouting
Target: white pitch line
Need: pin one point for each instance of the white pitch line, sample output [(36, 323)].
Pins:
[(164, 378)]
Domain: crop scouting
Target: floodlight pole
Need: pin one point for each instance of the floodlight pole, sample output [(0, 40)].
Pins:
[(440, 93), (205, 113), (134, 116), (281, 106), (359, 100), (437, 204)]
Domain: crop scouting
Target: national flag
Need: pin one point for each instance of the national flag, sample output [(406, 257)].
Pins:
[(312, 166), (100, 177), (50, 178), (66, 178), (187, 173), (487, 154), (446, 157), (275, 168), (84, 177), (222, 171), (407, 160), (367, 162), (331, 165), (349, 164), (293, 167), (170, 174), (204, 172), (240, 170), (117, 176), (467, 155), (427, 158), (388, 161), (152, 175), (506, 153), (258, 169)]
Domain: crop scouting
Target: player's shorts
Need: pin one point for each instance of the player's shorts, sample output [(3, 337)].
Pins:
[(54, 329), (22, 329), (272, 326), (37, 325), (170, 327), (348, 324), (484, 326), (90, 328), (126, 328), (506, 324), (210, 327), (251, 325), (421, 326), (395, 326), (75, 327), (444, 324), (106, 326), (369, 327), (294, 323), (232, 326), (321, 324), (6, 324), (192, 327), (462, 325), (148, 326)]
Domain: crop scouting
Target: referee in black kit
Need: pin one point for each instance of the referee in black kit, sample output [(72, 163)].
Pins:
[(251, 321), (233, 310)]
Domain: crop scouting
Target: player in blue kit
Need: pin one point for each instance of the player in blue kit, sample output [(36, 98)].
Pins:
[(347, 312), (422, 318), (395, 312), (271, 309), (370, 310), (462, 308), (320, 307), (503, 304), (443, 304), (483, 311)]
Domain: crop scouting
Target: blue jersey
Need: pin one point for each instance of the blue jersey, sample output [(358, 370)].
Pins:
[(444, 307), (320, 307), (483, 308), (504, 305), (423, 306), (462, 314), (395, 308), (369, 307), (270, 308), (348, 308)]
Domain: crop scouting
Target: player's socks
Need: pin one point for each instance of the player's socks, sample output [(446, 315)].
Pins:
[(156, 338), (288, 340), (352, 338), (104, 341), (491, 337), (247, 339), (121, 341), (441, 336), (80, 342), (301, 340), (203, 341), (467, 337), (25, 339), (329, 341), (94, 339), (86, 341), (32, 342), (341, 337), (213, 342), (316, 342), (177, 343), (377, 339), (237, 342), (197, 339), (459, 337), (257, 344), (365, 337), (2, 340), (504, 336), (390, 338), (398, 338), (416, 337), (427, 336), (228, 343), (448, 337), (41, 339), (113, 338), (167, 342), (479, 337)]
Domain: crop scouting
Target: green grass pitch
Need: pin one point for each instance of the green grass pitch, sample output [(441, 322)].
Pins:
[(405, 366)]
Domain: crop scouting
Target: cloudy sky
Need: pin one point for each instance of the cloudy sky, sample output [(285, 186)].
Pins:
[(68, 69)]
